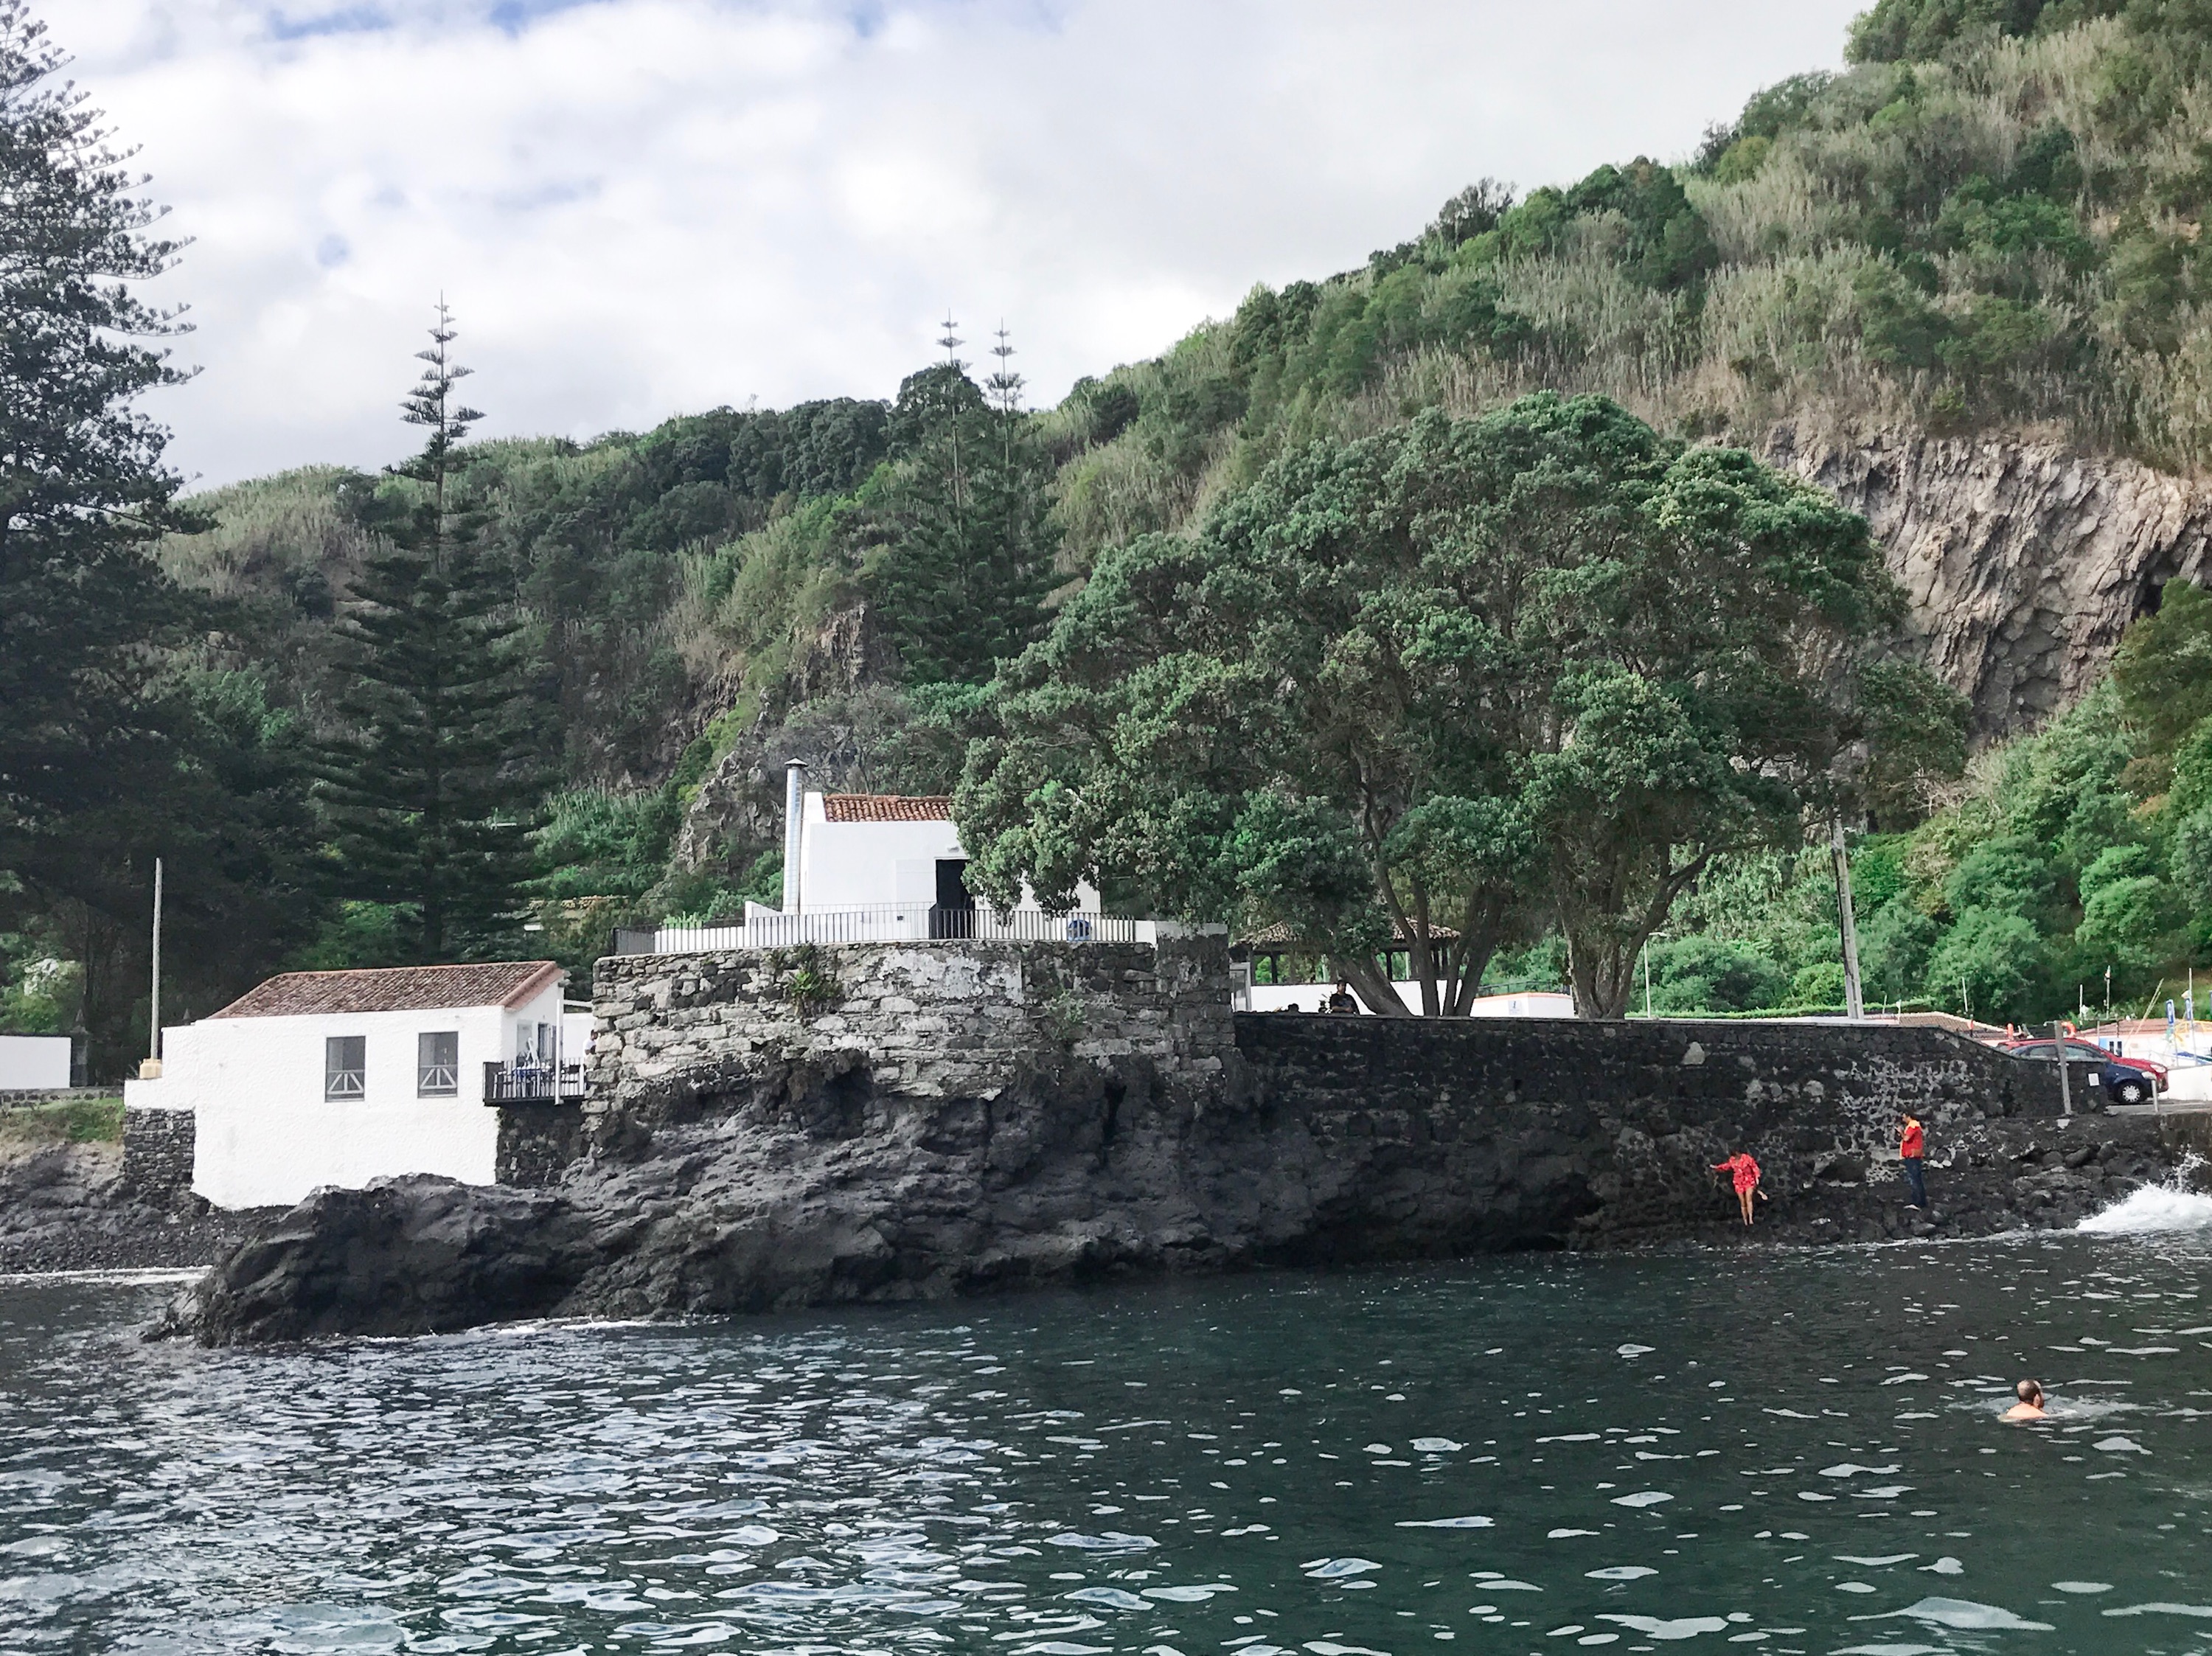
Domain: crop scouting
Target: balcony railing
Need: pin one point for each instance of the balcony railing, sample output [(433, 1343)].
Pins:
[(888, 922), (532, 1083)]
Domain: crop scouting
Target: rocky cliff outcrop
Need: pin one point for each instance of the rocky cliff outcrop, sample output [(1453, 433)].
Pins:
[(2024, 561), (738, 812), (768, 1180), (70, 1207)]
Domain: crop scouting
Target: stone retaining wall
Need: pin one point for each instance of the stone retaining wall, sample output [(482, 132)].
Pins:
[(536, 1141), (27, 1098), (157, 1155), (927, 1020), (1623, 1122)]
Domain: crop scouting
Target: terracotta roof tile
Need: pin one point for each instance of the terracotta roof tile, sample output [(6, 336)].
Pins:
[(395, 989), (886, 807)]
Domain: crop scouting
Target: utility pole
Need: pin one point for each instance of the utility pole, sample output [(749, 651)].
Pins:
[(1854, 998), (2065, 1085), (154, 1001)]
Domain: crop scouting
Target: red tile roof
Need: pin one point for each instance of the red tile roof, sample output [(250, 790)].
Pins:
[(396, 989), (886, 807)]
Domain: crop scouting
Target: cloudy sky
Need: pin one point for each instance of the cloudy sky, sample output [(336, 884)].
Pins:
[(642, 206)]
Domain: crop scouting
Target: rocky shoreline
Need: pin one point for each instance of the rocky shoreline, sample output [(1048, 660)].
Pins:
[(792, 1187), (69, 1207)]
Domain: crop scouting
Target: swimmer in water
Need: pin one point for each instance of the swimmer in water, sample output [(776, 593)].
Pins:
[(2030, 1406)]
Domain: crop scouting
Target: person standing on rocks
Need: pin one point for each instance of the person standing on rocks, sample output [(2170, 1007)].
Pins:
[(1746, 1179), (1911, 1151)]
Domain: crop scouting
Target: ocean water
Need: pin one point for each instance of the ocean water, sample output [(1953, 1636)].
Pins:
[(1788, 1451)]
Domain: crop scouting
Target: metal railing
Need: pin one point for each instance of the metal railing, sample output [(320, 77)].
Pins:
[(888, 922), (532, 1083)]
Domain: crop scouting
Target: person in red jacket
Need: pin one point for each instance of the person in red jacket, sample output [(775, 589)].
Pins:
[(1746, 1179), (1912, 1149)]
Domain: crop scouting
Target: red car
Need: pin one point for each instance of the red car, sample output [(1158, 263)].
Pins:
[(2128, 1080)]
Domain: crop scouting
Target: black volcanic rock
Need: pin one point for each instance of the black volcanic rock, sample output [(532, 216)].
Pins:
[(68, 1207), (417, 1255), (797, 1187)]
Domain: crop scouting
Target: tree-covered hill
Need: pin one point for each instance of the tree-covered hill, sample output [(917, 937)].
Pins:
[(1988, 223)]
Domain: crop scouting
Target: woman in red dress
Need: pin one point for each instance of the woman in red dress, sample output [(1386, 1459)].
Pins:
[(1746, 1179)]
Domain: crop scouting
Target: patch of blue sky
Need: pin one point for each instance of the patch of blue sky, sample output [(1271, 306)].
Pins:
[(332, 251), (341, 19), (516, 15), (553, 193), (866, 18)]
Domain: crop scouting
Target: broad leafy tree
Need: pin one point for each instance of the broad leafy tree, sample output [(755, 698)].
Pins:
[(1433, 691), (432, 783)]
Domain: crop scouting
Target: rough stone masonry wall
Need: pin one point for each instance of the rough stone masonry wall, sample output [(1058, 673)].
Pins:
[(1610, 1131), (925, 1020), (157, 1155)]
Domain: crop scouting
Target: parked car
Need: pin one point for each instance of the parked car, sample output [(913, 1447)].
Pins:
[(2124, 1080)]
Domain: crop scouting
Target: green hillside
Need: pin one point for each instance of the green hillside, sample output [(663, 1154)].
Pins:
[(1990, 221)]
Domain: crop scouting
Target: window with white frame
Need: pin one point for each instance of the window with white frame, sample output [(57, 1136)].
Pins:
[(438, 1063), (345, 1066)]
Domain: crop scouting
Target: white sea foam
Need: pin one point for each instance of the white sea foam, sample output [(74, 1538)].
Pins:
[(1336, 1569), (1112, 1598), (1654, 1627), (2171, 1206), (1969, 1617), (2201, 1611)]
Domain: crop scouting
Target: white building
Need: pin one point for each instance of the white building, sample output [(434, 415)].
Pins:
[(33, 1063), (321, 1078), (880, 867)]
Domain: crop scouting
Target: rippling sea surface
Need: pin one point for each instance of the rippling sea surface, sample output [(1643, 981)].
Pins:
[(1793, 1451)]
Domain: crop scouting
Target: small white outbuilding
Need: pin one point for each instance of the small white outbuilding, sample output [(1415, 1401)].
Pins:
[(320, 1078), (35, 1063)]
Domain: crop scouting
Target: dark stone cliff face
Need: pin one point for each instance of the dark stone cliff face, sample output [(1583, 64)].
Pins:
[(780, 1182), (2023, 561)]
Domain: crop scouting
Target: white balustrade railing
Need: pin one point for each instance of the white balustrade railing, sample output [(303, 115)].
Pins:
[(893, 923)]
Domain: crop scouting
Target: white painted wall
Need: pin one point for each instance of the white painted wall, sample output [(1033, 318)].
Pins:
[(866, 865), (1314, 997), (265, 1136), (33, 1063), (856, 864)]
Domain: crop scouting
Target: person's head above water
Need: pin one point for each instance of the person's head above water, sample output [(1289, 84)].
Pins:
[(2029, 1393)]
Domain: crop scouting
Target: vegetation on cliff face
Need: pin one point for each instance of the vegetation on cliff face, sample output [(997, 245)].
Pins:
[(1990, 220)]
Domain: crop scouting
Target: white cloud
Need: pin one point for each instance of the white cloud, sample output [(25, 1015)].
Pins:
[(638, 207)]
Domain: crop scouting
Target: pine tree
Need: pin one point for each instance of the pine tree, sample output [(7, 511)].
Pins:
[(83, 493), (432, 787), (963, 586)]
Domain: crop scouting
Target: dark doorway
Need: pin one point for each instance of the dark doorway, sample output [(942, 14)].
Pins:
[(954, 916)]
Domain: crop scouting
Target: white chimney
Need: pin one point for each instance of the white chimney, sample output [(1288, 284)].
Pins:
[(794, 812)]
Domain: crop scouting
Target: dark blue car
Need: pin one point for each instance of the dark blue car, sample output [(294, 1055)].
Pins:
[(2120, 1082)]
